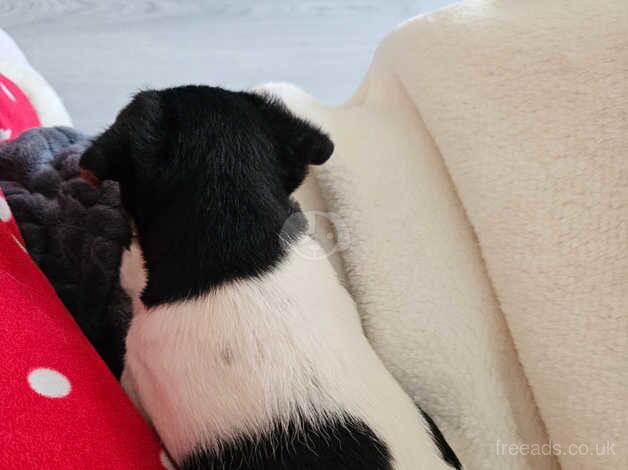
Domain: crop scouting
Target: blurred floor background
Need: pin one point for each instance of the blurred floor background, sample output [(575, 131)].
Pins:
[(96, 54)]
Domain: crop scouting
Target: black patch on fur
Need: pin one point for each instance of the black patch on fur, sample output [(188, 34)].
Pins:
[(206, 174), (446, 451), (339, 445)]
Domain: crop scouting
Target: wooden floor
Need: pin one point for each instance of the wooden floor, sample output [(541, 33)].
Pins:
[(96, 54)]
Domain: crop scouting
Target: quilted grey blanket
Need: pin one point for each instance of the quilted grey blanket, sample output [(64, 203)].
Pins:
[(74, 232)]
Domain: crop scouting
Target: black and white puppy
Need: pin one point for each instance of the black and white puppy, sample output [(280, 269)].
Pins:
[(242, 353)]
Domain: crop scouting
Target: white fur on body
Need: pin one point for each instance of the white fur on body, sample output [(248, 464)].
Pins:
[(260, 351)]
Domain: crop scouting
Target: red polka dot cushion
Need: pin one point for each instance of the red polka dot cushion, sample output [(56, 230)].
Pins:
[(60, 407)]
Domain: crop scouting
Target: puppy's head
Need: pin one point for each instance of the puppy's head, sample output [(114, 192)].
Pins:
[(206, 175), (185, 145)]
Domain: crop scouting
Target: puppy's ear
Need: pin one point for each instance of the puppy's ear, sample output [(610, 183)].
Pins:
[(110, 156), (298, 142), (303, 145), (104, 160), (308, 144)]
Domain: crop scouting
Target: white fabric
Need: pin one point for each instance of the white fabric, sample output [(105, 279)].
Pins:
[(483, 162), (10, 51), (15, 66)]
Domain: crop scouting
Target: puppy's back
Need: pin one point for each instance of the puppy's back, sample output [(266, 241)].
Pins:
[(283, 378)]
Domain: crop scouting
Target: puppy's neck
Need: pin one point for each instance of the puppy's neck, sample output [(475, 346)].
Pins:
[(192, 254)]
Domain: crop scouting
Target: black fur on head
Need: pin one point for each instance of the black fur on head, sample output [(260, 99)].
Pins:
[(206, 174)]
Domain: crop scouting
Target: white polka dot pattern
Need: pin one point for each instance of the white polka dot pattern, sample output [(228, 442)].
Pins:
[(5, 211), (5, 134), (7, 92), (49, 383)]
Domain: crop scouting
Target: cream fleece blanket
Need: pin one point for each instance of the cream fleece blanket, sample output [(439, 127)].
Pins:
[(481, 172)]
